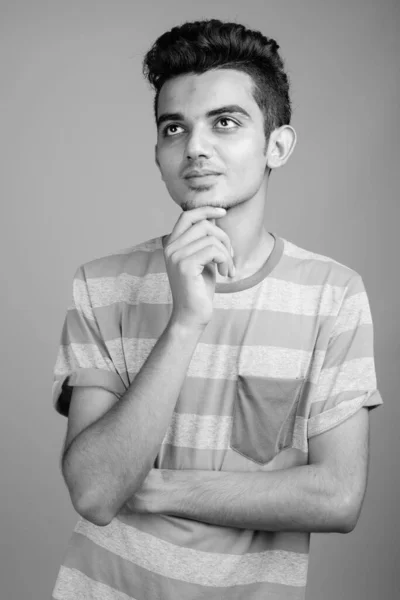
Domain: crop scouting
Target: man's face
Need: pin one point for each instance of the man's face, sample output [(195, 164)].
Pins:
[(230, 143)]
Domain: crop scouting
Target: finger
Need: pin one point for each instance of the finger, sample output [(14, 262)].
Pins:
[(190, 217), (229, 269), (204, 252)]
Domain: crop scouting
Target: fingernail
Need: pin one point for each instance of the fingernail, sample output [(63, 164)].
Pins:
[(232, 252), (233, 271)]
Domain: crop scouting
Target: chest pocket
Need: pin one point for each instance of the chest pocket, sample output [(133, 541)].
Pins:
[(264, 416)]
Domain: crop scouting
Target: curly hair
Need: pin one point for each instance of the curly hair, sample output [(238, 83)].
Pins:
[(199, 46)]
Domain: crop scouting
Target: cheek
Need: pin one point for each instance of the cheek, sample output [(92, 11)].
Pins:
[(245, 160), (172, 168)]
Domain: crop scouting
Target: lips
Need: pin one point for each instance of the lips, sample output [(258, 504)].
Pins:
[(198, 177), (193, 174)]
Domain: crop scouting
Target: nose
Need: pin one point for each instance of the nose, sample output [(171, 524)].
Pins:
[(198, 144)]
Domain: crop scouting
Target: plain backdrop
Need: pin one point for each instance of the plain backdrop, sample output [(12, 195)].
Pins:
[(78, 181)]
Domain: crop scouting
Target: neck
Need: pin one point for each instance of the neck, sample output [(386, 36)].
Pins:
[(246, 268), (244, 225)]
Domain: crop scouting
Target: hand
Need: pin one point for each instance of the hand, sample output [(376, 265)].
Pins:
[(191, 249)]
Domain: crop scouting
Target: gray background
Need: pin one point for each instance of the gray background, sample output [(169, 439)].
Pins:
[(78, 181)]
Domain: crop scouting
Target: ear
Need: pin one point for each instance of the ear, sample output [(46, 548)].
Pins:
[(280, 146)]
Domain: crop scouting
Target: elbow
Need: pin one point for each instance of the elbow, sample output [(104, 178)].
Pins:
[(87, 506), (90, 510), (347, 526), (85, 501), (349, 523), (346, 513)]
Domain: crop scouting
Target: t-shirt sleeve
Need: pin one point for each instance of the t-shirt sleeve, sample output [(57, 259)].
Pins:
[(347, 379), (83, 358)]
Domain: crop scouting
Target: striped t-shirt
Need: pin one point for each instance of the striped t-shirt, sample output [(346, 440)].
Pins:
[(288, 354)]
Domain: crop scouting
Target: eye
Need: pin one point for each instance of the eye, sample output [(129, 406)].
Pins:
[(227, 119), (165, 130)]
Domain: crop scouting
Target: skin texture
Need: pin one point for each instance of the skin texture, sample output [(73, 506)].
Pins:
[(231, 144)]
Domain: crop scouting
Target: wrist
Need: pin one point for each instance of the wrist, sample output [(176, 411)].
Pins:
[(170, 490), (185, 329)]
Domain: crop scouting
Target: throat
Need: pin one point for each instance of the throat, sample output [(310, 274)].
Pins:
[(257, 263)]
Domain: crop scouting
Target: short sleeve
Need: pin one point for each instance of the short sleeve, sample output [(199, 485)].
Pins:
[(347, 379), (83, 358)]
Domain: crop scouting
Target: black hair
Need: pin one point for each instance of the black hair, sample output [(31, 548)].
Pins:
[(199, 46)]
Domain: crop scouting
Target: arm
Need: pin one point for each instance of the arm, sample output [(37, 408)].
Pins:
[(107, 462), (324, 496)]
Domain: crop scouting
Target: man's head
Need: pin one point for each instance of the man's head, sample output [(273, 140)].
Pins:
[(198, 68)]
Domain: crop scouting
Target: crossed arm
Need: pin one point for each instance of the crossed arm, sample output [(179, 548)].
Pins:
[(324, 496)]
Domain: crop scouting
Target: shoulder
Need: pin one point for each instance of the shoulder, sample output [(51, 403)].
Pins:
[(318, 269), (118, 277), (132, 260)]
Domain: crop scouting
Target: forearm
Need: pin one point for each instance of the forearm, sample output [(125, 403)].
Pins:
[(110, 459), (296, 499)]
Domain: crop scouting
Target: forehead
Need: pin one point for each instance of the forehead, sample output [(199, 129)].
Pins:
[(193, 94)]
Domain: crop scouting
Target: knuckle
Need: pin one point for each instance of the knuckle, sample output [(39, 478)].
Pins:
[(168, 252), (173, 257)]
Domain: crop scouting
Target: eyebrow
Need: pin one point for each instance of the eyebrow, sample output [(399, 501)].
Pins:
[(231, 108)]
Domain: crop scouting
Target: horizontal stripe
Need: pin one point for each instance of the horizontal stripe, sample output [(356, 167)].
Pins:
[(295, 251), (330, 418), (134, 351), (121, 260), (208, 360), (318, 407), (350, 345), (284, 330), (354, 312), (146, 257), (197, 431), (72, 585), (276, 295), (84, 356), (81, 299), (355, 374), (99, 565), (187, 564)]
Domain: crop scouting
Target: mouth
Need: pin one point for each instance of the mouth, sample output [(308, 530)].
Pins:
[(198, 178)]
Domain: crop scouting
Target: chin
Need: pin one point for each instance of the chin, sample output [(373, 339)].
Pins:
[(199, 200), (186, 207)]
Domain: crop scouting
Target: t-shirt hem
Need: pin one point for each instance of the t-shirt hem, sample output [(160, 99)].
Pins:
[(340, 413), (62, 387)]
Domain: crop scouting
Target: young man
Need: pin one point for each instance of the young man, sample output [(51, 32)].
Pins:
[(215, 417)]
